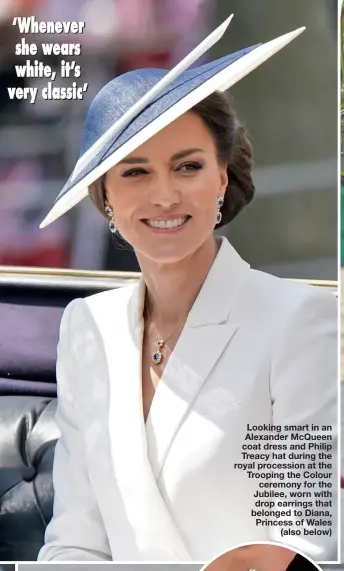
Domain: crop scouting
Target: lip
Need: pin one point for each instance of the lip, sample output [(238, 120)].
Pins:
[(165, 218)]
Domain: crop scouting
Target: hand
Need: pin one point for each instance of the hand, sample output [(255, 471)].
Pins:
[(260, 557)]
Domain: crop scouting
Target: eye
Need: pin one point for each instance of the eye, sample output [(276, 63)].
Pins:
[(190, 166), (133, 173)]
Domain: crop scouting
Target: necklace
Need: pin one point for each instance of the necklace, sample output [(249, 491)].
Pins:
[(158, 356)]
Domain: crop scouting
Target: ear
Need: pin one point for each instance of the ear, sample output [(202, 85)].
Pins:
[(223, 179), (104, 185), (105, 190)]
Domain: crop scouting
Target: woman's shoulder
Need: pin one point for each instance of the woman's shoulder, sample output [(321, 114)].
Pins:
[(295, 314), (109, 302), (115, 296), (285, 295)]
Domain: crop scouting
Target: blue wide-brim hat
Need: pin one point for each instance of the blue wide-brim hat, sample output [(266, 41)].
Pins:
[(135, 106)]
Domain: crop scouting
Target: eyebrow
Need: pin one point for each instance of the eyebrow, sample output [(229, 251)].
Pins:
[(175, 157)]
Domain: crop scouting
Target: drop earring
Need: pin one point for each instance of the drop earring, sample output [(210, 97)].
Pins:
[(220, 202), (112, 224)]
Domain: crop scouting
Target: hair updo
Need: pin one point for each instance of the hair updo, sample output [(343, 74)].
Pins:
[(233, 147)]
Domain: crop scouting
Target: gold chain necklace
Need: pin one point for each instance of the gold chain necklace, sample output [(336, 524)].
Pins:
[(158, 356)]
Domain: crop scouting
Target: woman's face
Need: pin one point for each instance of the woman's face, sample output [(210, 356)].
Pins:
[(164, 194)]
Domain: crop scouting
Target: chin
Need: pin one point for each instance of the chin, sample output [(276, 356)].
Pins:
[(173, 248)]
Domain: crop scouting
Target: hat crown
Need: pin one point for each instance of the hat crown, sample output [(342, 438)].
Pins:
[(114, 100)]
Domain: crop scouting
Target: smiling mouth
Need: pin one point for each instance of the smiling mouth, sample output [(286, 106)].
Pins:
[(166, 224)]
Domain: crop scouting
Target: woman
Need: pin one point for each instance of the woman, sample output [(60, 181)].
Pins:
[(159, 382)]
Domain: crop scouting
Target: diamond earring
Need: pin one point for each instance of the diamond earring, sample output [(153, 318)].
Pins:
[(112, 224), (220, 202)]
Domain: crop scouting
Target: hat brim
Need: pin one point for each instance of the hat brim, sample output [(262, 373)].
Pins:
[(219, 80)]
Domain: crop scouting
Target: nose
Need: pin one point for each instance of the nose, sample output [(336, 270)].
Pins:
[(164, 192)]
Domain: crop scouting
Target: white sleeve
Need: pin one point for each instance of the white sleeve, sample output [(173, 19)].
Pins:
[(304, 391), (76, 531)]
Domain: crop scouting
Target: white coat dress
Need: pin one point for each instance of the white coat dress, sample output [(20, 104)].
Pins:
[(255, 350)]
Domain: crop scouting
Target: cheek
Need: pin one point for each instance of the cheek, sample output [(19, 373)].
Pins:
[(124, 199), (202, 191)]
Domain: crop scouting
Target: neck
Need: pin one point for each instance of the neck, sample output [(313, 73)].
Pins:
[(173, 288)]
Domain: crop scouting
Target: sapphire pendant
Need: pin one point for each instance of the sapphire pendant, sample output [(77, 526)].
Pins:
[(157, 356)]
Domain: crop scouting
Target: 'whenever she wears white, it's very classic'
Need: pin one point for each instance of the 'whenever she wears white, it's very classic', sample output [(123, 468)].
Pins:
[(255, 349)]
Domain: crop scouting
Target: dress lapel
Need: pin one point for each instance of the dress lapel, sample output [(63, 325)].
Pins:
[(156, 536), (207, 332)]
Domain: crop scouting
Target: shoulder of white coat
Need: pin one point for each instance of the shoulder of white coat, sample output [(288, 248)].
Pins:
[(282, 296), (78, 311), (112, 297)]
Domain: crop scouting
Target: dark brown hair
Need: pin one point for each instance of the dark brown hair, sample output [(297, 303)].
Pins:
[(233, 147)]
